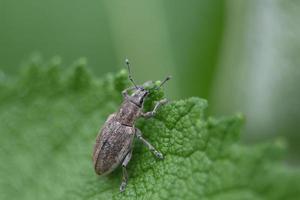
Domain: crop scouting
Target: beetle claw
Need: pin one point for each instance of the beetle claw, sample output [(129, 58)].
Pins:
[(123, 186), (159, 155)]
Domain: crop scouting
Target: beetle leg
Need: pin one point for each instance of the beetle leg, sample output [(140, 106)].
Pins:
[(157, 105), (125, 174), (125, 92), (138, 134)]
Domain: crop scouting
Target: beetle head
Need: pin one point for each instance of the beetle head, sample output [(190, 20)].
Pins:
[(139, 95)]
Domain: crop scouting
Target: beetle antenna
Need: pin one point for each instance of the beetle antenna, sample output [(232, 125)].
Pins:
[(162, 83), (129, 73)]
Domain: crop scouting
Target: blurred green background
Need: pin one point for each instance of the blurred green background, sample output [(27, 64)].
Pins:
[(243, 56)]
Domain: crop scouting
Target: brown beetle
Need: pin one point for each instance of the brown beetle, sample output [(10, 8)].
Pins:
[(114, 141)]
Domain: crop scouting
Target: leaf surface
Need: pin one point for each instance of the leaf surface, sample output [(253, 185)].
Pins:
[(49, 121)]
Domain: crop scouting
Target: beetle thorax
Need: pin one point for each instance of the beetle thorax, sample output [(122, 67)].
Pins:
[(127, 113)]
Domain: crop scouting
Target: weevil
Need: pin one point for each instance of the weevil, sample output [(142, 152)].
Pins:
[(114, 142)]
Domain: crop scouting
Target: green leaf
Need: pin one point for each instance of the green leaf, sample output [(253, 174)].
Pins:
[(49, 121)]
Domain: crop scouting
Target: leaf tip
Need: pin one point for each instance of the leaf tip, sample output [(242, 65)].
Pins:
[(80, 78)]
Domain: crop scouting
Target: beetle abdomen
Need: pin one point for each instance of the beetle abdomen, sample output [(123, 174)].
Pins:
[(112, 144)]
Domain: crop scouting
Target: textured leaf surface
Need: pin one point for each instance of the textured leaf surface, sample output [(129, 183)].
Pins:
[(49, 121)]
